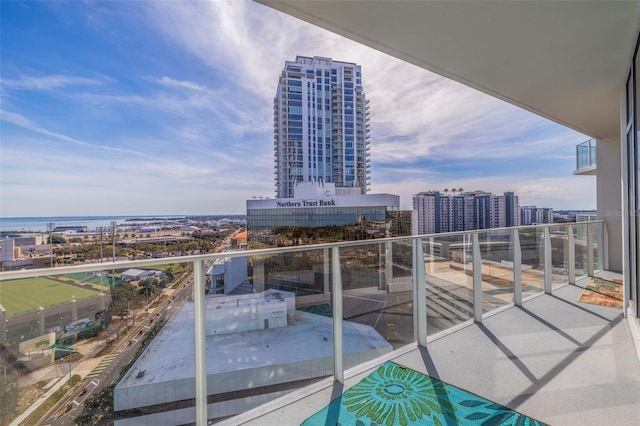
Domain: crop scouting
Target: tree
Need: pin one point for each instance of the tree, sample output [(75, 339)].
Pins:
[(56, 239), (97, 407), (125, 296), (149, 285), (8, 396)]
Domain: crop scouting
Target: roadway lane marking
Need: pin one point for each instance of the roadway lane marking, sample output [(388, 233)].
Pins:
[(102, 365)]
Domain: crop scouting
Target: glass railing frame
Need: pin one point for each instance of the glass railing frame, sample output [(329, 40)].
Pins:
[(418, 276)]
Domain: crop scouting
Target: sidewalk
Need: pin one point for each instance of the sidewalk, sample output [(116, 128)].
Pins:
[(82, 368)]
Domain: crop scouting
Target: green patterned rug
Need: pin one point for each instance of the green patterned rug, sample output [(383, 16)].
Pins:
[(395, 395)]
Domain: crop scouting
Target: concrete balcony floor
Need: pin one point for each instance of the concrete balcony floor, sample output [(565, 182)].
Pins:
[(555, 359)]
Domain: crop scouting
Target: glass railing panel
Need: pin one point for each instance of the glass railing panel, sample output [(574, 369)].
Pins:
[(580, 244), (398, 315), (598, 245), (583, 156), (532, 268), (449, 276), (290, 343), (377, 306), (586, 154), (496, 252), (559, 255)]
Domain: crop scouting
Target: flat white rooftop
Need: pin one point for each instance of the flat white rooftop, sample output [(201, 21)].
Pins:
[(239, 361)]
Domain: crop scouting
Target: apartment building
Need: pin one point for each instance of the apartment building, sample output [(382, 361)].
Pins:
[(321, 125), (435, 212), (533, 215)]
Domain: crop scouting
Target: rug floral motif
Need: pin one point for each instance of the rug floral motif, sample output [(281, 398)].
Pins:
[(395, 395), (603, 292)]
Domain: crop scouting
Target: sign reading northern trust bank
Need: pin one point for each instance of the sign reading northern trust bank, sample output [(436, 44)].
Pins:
[(308, 203), (391, 202)]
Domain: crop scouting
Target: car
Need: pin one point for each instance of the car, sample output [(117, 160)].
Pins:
[(84, 391)]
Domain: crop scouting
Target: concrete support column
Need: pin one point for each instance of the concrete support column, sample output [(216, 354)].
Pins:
[(609, 197)]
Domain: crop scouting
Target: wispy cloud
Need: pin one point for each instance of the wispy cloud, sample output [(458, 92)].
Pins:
[(49, 82), (27, 124), (170, 82)]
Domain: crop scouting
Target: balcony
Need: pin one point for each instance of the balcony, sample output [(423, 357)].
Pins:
[(499, 317), (586, 158)]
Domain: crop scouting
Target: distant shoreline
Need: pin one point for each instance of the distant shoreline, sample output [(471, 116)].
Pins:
[(40, 224)]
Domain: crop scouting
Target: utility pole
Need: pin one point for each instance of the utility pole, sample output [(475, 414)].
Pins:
[(50, 229), (113, 239), (113, 247)]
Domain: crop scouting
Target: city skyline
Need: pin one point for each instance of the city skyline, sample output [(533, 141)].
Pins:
[(166, 108)]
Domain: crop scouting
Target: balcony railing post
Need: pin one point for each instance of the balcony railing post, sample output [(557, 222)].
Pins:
[(548, 269), (589, 250), (477, 278), (517, 267), (605, 247), (432, 264), (571, 267), (420, 291), (326, 269), (336, 281), (200, 318)]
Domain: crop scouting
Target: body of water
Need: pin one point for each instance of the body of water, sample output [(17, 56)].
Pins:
[(39, 224)]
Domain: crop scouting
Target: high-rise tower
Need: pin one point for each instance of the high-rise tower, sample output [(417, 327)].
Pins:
[(321, 125)]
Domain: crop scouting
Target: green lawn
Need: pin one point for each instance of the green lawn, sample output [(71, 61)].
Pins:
[(86, 277), (28, 294), (81, 276), (106, 281)]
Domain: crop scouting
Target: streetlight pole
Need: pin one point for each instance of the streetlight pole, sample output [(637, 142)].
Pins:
[(113, 238), (50, 229), (113, 247), (71, 352), (100, 228)]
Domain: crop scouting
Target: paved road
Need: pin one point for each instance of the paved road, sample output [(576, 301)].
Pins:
[(108, 371)]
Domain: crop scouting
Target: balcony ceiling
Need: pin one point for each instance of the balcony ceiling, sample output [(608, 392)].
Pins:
[(565, 61)]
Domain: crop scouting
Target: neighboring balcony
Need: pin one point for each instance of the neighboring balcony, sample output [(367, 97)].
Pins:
[(586, 158), (495, 312)]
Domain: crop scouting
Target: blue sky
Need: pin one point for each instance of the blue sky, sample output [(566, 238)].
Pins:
[(131, 108)]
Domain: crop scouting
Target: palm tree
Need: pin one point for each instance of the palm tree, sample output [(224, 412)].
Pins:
[(446, 191)]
